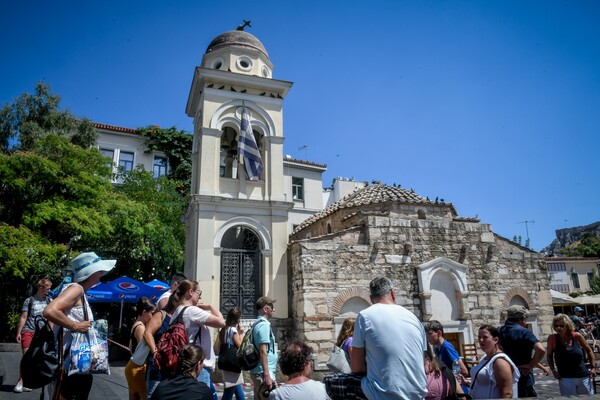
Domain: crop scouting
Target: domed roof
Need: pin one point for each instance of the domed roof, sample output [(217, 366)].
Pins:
[(236, 38)]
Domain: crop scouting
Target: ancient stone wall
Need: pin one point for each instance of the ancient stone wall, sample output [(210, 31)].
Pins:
[(330, 269)]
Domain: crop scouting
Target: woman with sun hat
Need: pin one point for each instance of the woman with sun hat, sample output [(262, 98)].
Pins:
[(68, 311)]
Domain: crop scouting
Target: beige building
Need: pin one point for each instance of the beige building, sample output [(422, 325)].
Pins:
[(572, 274)]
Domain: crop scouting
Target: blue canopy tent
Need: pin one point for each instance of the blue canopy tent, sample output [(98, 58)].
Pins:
[(123, 290), (160, 285)]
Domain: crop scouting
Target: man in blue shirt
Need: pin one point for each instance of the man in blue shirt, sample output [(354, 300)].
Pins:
[(263, 375), (444, 350), (518, 343)]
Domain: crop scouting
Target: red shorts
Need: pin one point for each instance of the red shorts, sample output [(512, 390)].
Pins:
[(26, 339)]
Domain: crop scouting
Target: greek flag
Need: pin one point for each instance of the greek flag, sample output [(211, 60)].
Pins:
[(248, 151)]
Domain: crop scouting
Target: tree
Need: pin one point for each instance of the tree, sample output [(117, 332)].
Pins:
[(588, 246), (177, 146), (56, 200), (165, 238), (33, 116), (58, 192)]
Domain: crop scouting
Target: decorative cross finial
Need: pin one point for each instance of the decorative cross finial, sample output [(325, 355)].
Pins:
[(245, 24)]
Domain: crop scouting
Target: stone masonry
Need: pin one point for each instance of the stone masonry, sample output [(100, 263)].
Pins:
[(382, 230)]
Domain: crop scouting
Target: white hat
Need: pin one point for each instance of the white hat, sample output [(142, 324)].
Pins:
[(86, 264)]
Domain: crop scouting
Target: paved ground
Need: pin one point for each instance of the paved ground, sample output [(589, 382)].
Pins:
[(115, 386)]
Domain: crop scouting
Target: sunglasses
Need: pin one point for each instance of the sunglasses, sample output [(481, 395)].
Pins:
[(559, 326), (198, 291)]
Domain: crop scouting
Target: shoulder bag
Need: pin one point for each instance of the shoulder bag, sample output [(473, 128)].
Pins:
[(228, 360), (338, 362), (89, 350)]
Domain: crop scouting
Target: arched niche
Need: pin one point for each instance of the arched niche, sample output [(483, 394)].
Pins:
[(443, 282), (444, 304)]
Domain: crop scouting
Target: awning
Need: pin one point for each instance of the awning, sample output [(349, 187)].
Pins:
[(559, 298)]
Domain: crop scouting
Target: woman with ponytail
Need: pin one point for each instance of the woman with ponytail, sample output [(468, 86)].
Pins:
[(135, 371), (184, 384), (197, 317)]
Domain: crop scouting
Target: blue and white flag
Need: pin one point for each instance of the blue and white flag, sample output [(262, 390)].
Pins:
[(248, 151)]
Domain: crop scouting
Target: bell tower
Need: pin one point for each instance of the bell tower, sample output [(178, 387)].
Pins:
[(236, 227)]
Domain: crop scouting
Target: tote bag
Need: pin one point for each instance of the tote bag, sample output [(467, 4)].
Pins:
[(140, 354), (228, 360), (338, 361), (89, 350), (40, 364)]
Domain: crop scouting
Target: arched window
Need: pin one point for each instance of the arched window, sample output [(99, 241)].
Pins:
[(228, 167)]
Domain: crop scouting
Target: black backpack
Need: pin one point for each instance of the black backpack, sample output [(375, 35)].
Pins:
[(248, 354), (40, 363)]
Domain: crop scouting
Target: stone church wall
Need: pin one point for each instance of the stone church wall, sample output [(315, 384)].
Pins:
[(326, 271)]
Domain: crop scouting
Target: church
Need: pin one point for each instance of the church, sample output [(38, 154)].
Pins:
[(270, 234)]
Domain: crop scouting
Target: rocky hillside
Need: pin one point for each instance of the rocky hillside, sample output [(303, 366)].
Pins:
[(567, 236)]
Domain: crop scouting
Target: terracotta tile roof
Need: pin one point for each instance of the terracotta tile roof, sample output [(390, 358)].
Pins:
[(372, 194), (115, 128)]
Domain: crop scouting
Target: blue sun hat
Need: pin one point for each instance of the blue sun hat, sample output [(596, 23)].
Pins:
[(87, 264), (578, 309)]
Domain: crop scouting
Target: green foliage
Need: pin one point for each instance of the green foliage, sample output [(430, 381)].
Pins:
[(56, 200), (588, 246), (165, 236), (595, 283), (177, 146), (33, 116)]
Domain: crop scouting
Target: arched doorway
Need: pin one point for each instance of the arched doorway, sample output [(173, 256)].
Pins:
[(241, 270)]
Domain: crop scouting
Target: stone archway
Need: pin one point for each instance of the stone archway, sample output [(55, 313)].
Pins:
[(241, 270), (518, 296), (348, 304)]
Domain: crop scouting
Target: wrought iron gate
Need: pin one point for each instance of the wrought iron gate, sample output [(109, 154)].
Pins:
[(240, 281)]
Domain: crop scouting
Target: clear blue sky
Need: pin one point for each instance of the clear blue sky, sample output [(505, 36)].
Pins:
[(492, 105)]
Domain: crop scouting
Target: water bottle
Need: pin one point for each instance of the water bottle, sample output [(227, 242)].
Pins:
[(456, 370)]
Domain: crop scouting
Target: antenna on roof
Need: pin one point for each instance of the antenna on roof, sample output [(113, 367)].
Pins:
[(526, 229)]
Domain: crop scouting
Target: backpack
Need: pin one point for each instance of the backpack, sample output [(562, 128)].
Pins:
[(173, 339), (247, 354), (40, 363)]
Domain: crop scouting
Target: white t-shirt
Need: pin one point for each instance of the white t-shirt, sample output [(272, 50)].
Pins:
[(194, 318), (310, 389), (165, 295), (394, 341)]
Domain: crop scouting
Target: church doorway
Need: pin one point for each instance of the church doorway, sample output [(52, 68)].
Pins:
[(241, 270)]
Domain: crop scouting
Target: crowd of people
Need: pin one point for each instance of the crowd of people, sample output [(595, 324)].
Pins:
[(391, 354)]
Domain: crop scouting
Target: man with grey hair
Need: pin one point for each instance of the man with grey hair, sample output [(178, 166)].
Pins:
[(388, 347)]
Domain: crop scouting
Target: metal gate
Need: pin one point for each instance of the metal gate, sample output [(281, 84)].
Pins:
[(240, 281)]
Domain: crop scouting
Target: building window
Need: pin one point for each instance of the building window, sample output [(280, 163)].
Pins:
[(126, 161), (297, 188), (590, 275), (575, 280), (160, 167), (108, 153)]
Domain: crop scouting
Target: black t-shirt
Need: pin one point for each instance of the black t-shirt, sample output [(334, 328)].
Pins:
[(182, 387)]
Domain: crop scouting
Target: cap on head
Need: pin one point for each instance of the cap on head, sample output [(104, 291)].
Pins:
[(263, 301), (517, 312), (87, 264), (578, 309)]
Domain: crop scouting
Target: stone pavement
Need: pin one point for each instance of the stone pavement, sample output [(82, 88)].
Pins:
[(114, 386)]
